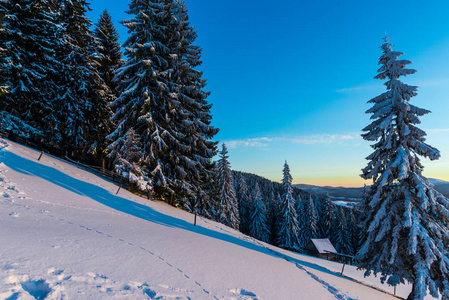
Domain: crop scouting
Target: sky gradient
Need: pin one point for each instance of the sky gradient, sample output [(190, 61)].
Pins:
[(290, 80)]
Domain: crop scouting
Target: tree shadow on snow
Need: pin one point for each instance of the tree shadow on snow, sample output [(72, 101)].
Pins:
[(105, 197)]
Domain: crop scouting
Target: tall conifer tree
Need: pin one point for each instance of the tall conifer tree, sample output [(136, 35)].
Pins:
[(354, 231), (324, 217), (258, 219), (405, 218), (303, 227), (244, 203), (83, 109), (312, 218), (139, 106), (273, 211), (287, 236), (189, 165), (345, 243), (336, 234), (109, 49), (228, 207), (161, 98)]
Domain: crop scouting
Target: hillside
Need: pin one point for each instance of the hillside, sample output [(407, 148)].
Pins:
[(334, 192), (65, 234), (353, 194)]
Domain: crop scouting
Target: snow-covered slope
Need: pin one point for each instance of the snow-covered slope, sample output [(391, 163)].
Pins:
[(65, 234)]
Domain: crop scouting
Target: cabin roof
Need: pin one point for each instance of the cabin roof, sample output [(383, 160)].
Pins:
[(323, 245)]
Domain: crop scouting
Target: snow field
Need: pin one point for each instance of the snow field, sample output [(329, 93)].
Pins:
[(66, 235)]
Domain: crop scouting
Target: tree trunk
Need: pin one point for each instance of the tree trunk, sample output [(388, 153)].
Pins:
[(411, 296)]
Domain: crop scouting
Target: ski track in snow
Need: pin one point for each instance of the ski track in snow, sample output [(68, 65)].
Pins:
[(337, 293), (334, 291), (53, 286)]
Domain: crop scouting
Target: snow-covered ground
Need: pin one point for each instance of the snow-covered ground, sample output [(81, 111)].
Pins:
[(65, 234)]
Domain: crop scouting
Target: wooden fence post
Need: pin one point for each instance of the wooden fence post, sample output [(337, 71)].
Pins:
[(119, 187), (342, 269)]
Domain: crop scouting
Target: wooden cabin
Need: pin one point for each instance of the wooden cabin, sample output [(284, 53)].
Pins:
[(321, 248)]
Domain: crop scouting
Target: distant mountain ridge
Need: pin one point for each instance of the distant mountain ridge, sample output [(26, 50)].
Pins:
[(352, 194), (441, 186)]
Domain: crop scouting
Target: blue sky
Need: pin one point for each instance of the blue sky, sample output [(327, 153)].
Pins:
[(290, 80)]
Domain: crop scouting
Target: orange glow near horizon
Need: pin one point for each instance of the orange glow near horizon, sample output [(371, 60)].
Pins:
[(346, 181), (335, 182), (349, 182), (340, 181)]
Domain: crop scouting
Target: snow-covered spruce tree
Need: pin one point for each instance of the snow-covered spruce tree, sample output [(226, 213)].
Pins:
[(109, 49), (324, 217), (258, 220), (140, 106), (127, 160), (354, 230), (336, 234), (273, 210), (303, 227), (360, 234), (29, 36), (83, 110), (341, 231), (405, 218), (344, 246), (161, 98), (312, 218), (228, 207), (287, 236), (244, 203), (189, 165), (206, 203)]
